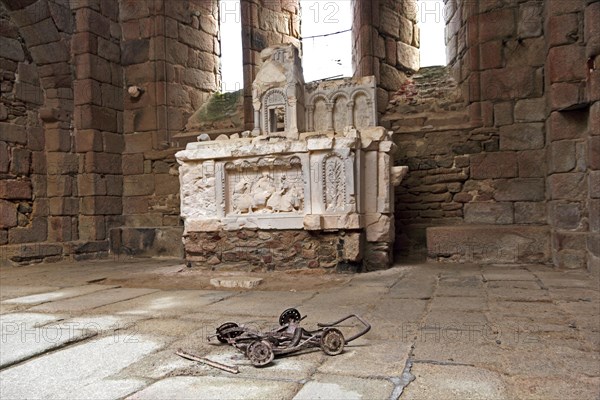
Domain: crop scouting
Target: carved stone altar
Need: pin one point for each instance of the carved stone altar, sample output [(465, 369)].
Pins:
[(281, 197)]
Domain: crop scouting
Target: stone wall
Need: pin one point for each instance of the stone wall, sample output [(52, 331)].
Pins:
[(515, 160), (385, 43), (275, 250), (573, 144), (171, 51), (21, 142)]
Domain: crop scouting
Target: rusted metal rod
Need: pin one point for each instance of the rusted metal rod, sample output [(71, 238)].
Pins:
[(214, 364)]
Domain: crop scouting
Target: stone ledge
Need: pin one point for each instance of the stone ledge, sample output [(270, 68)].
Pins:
[(162, 241), (488, 244)]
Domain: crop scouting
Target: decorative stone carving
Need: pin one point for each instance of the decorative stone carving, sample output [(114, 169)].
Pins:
[(337, 176)]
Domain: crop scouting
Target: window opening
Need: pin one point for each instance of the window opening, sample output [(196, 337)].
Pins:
[(277, 119), (430, 19), (326, 39), (232, 74)]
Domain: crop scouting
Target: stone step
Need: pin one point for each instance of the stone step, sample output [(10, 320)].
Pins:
[(489, 244)]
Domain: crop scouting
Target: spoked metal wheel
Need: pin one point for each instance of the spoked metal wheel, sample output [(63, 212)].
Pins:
[(332, 342), (289, 315), (260, 353), (227, 331)]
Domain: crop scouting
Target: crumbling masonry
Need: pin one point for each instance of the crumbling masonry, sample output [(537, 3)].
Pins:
[(503, 145)]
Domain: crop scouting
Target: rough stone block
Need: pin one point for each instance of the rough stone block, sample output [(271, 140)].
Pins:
[(568, 186), (91, 185), (59, 185), (135, 51), (113, 142), (20, 162), (523, 136), (133, 164), (59, 229), (532, 163), (391, 78), (530, 213), (564, 215), (135, 205), (8, 214), (563, 29), (510, 83), (11, 49), (490, 55), (103, 163), (88, 20), (496, 24), (494, 165), (87, 140), (114, 185), (84, 42), (530, 110), (566, 63), (50, 53), (489, 243), (12, 133), (11, 189), (530, 19), (592, 31), (503, 113), (41, 32), (488, 213), (594, 184), (101, 205), (564, 95), (567, 125), (58, 140), (594, 215), (562, 156), (519, 189), (166, 184), (570, 259), (95, 117), (63, 206), (87, 91), (35, 139), (4, 157), (138, 185), (91, 228), (35, 232), (408, 57)]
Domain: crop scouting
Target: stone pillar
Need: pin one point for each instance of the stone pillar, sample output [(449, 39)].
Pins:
[(330, 116), (265, 23), (592, 39), (310, 112), (385, 40), (350, 106), (567, 131)]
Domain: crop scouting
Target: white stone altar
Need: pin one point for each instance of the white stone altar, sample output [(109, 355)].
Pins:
[(315, 162)]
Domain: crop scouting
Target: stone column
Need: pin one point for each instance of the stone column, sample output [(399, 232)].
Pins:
[(311, 123), (330, 116)]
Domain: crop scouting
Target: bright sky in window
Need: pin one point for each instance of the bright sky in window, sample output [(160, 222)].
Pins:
[(326, 56)]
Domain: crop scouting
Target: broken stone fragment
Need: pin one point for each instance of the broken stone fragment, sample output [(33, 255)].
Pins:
[(398, 173), (203, 137), (222, 137)]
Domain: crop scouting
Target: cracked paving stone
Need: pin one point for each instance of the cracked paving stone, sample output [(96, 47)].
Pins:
[(82, 371), (215, 387), (454, 382), (92, 300), (344, 387), (58, 294), (25, 335)]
